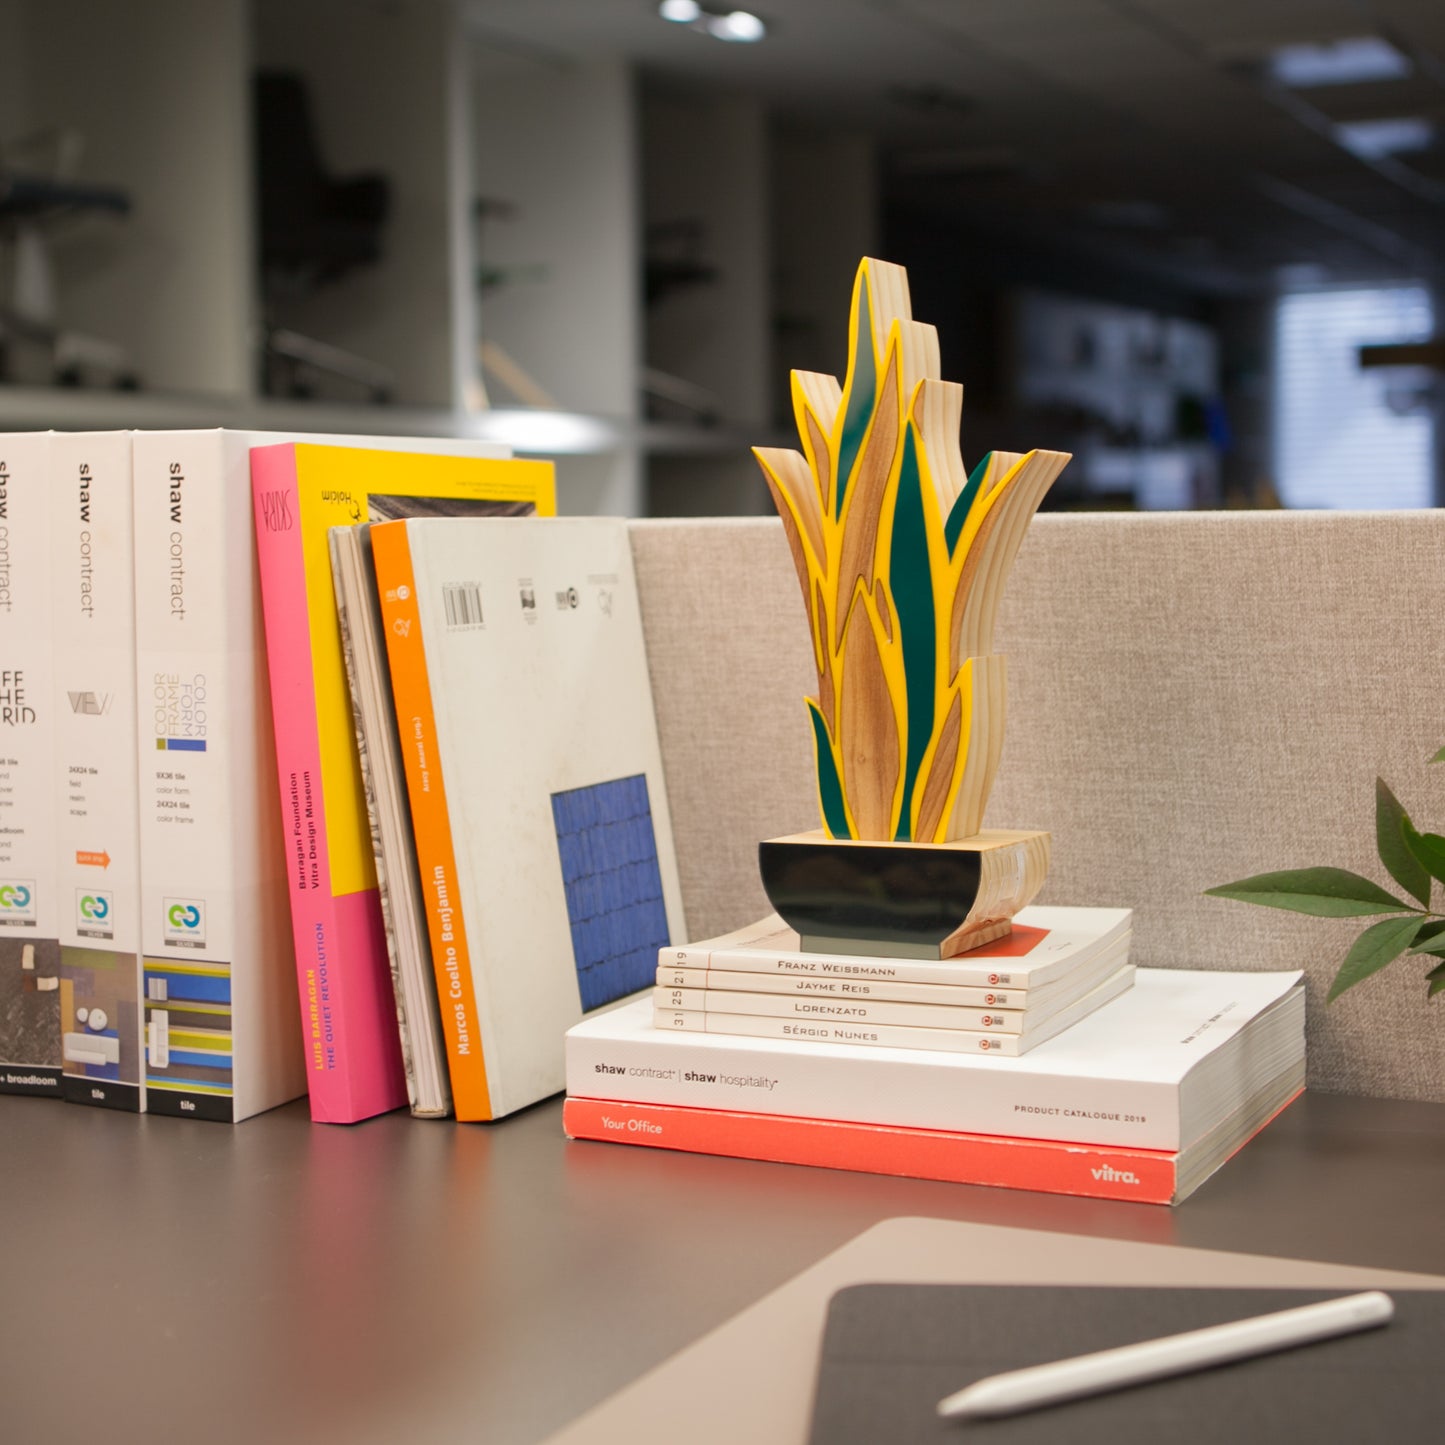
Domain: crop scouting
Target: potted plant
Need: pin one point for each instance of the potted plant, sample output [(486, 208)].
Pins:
[(1415, 860)]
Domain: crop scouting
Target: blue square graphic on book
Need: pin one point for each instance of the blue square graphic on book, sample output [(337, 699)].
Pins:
[(613, 885)]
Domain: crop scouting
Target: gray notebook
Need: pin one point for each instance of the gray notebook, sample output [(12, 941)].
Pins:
[(892, 1351)]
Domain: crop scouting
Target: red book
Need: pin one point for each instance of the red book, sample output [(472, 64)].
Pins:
[(1144, 1176)]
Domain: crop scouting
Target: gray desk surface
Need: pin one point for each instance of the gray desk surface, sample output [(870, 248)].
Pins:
[(280, 1281)]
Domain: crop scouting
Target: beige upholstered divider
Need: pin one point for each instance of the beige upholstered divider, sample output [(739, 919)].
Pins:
[(1193, 697), (727, 643)]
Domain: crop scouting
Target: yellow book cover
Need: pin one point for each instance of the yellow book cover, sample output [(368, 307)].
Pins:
[(300, 492)]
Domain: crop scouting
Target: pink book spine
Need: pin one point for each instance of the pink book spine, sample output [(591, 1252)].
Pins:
[(1144, 1176), (353, 1066)]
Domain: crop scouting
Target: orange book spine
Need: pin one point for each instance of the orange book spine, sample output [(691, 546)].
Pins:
[(1145, 1176), (430, 819)]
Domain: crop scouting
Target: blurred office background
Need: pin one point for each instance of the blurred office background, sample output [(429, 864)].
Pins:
[(1196, 242)]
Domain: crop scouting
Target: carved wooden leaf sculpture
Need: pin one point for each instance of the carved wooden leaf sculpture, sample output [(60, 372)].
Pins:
[(901, 554)]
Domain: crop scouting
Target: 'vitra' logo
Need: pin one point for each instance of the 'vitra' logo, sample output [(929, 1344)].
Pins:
[(1114, 1176)]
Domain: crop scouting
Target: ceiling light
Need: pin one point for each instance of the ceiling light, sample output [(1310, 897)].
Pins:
[(1375, 138), (1338, 62), (736, 25)]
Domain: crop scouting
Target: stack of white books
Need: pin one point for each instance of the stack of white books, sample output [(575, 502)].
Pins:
[(1056, 967), (1152, 1077)]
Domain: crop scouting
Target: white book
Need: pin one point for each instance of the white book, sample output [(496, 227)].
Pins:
[(219, 986), (535, 784), (29, 940), (894, 1032), (95, 786), (221, 1008), (1045, 945), (1156, 1068), (1079, 980)]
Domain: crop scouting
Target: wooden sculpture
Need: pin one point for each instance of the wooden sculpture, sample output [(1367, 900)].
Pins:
[(902, 555)]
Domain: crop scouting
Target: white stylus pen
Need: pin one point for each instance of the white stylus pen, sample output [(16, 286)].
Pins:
[(1173, 1355)]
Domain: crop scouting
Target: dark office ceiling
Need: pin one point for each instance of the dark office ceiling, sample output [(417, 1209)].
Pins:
[(1145, 131)]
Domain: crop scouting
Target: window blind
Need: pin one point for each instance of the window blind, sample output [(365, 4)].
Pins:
[(1345, 437)]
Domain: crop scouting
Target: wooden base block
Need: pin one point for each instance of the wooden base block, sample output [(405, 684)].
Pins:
[(902, 900)]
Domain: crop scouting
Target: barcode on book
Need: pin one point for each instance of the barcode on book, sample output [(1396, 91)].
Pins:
[(463, 603)]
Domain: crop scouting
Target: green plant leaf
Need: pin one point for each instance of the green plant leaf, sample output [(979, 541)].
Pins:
[(1434, 949), (1430, 938), (1404, 867), (1379, 944), (1428, 849), (1439, 757), (1437, 985), (1323, 892), (1437, 972)]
